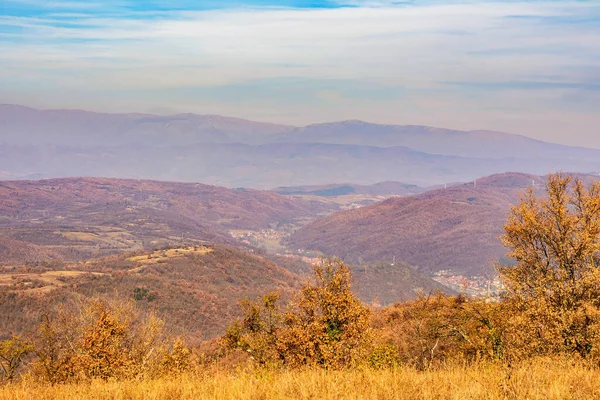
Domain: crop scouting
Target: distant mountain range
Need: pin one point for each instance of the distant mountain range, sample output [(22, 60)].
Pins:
[(238, 153), (333, 190)]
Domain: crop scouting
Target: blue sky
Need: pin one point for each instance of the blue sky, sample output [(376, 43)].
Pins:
[(528, 67)]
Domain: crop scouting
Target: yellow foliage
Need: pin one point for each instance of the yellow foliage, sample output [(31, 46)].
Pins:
[(326, 325), (553, 292), (12, 353)]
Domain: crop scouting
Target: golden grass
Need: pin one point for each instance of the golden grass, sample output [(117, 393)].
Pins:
[(544, 379), (161, 255), (50, 278)]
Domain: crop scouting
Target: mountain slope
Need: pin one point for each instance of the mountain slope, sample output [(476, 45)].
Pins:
[(455, 228), (90, 217), (194, 289)]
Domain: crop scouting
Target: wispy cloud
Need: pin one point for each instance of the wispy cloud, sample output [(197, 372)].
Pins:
[(526, 66)]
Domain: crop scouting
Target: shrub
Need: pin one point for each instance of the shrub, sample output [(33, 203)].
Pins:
[(436, 328), (105, 341), (326, 325)]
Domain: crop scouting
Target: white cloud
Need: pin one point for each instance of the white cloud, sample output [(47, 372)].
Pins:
[(414, 47)]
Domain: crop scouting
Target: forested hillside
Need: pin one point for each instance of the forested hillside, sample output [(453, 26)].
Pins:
[(456, 228)]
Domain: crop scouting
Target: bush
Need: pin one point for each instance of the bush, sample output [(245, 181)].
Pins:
[(326, 325), (437, 328), (105, 341)]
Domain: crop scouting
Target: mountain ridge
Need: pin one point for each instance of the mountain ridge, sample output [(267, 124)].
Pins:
[(240, 153)]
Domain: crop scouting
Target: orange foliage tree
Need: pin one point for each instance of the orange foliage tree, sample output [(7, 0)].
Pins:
[(326, 325), (553, 291)]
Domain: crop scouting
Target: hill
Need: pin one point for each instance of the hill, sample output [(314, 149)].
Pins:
[(266, 166), (82, 218), (455, 228), (28, 126), (195, 289)]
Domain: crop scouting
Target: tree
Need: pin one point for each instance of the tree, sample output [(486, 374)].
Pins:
[(554, 288), (12, 353), (326, 325), (256, 332)]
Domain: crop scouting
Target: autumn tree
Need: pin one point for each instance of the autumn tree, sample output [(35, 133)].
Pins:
[(12, 353), (256, 332), (326, 325), (554, 287)]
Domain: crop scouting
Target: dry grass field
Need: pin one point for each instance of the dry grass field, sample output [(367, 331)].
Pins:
[(535, 379)]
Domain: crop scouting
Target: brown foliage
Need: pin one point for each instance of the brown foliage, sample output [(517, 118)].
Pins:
[(105, 341), (554, 288), (326, 325)]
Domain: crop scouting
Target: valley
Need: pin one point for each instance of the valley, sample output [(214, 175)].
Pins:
[(320, 200), (430, 221)]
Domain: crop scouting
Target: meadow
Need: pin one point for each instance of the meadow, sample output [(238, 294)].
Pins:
[(535, 379)]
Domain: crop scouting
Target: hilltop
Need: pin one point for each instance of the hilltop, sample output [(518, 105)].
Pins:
[(194, 289)]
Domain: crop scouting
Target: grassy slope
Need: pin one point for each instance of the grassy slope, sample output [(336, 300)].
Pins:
[(545, 379)]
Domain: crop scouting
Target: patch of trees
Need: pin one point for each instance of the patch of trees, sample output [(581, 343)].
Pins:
[(100, 340)]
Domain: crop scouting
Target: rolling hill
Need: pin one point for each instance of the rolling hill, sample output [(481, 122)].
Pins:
[(455, 228), (81, 218), (194, 289), (22, 125), (469, 144)]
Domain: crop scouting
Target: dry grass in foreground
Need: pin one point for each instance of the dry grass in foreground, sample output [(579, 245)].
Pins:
[(542, 379)]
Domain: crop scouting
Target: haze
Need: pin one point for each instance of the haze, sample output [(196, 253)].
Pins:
[(528, 67)]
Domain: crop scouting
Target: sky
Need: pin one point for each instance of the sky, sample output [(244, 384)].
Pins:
[(527, 67)]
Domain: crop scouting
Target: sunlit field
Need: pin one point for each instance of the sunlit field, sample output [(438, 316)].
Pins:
[(539, 379)]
